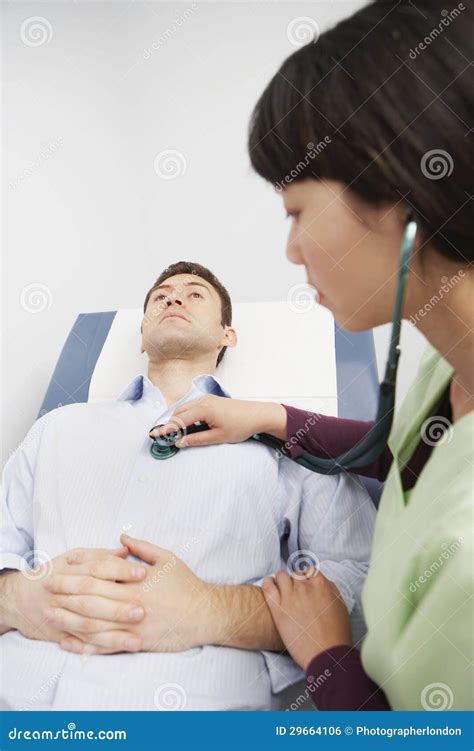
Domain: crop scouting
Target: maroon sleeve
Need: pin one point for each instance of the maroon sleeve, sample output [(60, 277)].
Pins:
[(337, 681), (326, 436)]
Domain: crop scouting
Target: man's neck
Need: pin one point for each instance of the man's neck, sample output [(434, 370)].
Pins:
[(174, 377)]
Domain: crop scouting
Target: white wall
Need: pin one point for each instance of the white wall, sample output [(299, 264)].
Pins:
[(89, 223)]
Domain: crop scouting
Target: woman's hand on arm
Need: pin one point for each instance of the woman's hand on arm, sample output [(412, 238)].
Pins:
[(309, 613), (229, 420)]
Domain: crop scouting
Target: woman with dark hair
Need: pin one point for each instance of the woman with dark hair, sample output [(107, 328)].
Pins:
[(372, 120)]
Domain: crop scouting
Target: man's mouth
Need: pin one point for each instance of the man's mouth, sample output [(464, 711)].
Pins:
[(174, 315)]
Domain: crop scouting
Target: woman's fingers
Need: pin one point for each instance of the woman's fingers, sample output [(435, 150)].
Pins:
[(178, 423), (284, 582), (103, 608), (203, 438), (271, 592)]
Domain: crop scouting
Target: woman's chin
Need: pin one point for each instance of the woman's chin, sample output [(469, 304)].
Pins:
[(345, 318), (351, 323), (356, 324)]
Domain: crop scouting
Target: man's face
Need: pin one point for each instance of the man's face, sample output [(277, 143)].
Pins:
[(183, 320)]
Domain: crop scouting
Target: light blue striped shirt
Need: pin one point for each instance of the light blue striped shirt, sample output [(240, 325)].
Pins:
[(84, 474)]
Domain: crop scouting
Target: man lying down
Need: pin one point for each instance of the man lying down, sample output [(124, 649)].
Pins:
[(171, 616)]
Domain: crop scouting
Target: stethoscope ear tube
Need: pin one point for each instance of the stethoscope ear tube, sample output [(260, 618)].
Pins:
[(373, 443)]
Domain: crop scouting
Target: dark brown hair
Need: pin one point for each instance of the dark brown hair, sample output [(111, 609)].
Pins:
[(381, 103), (189, 267)]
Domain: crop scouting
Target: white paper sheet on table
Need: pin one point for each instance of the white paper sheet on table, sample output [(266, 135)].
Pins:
[(282, 355)]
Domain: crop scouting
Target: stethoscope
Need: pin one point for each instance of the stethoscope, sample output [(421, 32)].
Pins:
[(371, 446)]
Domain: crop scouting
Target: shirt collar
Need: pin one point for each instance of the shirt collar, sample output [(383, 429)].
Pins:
[(141, 386)]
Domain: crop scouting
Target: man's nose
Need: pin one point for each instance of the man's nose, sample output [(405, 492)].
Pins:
[(173, 301)]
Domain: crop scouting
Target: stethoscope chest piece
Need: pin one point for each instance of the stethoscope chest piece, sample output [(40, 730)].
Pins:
[(164, 447)]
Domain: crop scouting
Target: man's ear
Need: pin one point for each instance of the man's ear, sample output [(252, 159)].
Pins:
[(230, 337)]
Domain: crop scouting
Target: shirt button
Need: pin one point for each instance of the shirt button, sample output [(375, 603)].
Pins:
[(127, 527), (141, 478)]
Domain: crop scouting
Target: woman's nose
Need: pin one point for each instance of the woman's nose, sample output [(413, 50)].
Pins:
[(293, 252)]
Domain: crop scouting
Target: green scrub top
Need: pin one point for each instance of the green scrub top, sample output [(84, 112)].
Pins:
[(417, 598)]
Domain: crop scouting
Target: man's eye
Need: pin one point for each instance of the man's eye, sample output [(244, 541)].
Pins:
[(196, 293), (160, 297)]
